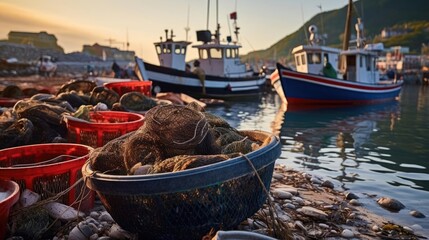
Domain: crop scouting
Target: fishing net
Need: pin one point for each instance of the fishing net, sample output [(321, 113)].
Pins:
[(17, 134), (12, 91), (81, 87), (110, 157), (136, 101), (173, 138), (103, 95)]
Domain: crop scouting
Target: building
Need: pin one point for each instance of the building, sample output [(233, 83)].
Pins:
[(42, 40), (108, 53)]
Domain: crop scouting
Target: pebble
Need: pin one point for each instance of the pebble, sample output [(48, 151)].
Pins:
[(417, 214), (298, 200), (278, 176), (117, 232), (315, 180), (105, 216), (313, 212), (350, 196), (290, 206), (63, 212), (408, 229), (375, 228), (327, 184), (322, 225), (355, 202), (28, 198), (390, 204), (347, 233), (282, 194)]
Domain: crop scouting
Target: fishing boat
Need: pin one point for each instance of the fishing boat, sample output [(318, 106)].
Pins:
[(224, 75), (326, 75)]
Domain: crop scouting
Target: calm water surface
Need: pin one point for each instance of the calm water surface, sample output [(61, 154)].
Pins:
[(379, 149)]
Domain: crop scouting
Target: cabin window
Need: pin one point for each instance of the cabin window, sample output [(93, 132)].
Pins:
[(313, 58), (158, 49), (166, 48), (228, 53), (216, 53), (360, 61), (203, 54), (368, 62), (177, 49), (231, 53), (303, 59), (326, 57), (297, 59)]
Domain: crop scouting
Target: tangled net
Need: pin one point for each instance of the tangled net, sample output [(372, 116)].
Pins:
[(173, 138)]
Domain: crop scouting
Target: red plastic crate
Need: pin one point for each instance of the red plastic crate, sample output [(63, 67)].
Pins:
[(103, 127), (49, 179), (121, 88), (6, 204)]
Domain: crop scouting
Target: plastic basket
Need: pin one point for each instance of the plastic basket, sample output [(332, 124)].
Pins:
[(103, 127), (188, 204), (121, 88), (8, 102), (28, 166), (12, 196)]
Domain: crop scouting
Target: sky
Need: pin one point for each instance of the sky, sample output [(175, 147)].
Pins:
[(142, 22)]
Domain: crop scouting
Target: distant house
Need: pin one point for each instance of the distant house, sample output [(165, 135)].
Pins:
[(391, 32), (39, 40), (108, 53)]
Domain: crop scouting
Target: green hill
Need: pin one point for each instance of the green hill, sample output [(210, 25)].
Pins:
[(376, 15)]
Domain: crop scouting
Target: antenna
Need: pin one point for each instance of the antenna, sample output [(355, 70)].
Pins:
[(128, 43), (321, 17), (303, 23), (208, 14), (187, 22)]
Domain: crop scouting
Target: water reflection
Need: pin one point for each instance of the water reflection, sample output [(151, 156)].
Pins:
[(379, 149)]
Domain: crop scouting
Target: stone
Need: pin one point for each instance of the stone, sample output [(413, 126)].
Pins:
[(282, 194), (417, 214), (355, 202), (117, 232), (28, 198), (313, 212), (62, 212), (390, 204), (105, 216), (327, 184), (81, 232), (350, 196), (278, 176), (347, 233)]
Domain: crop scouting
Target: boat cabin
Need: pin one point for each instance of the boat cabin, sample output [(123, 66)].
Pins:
[(220, 59), (312, 59), (171, 53), (360, 65)]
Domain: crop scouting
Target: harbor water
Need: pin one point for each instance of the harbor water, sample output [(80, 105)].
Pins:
[(373, 151)]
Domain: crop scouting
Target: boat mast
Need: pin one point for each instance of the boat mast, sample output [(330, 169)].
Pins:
[(342, 61), (347, 27)]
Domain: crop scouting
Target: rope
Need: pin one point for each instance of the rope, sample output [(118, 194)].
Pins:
[(276, 229)]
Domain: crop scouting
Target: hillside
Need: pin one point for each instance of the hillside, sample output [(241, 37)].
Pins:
[(376, 16)]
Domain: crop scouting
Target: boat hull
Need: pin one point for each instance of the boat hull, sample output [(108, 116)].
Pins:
[(306, 88), (172, 80)]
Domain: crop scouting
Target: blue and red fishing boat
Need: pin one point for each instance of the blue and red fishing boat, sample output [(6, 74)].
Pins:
[(307, 88), (332, 76)]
